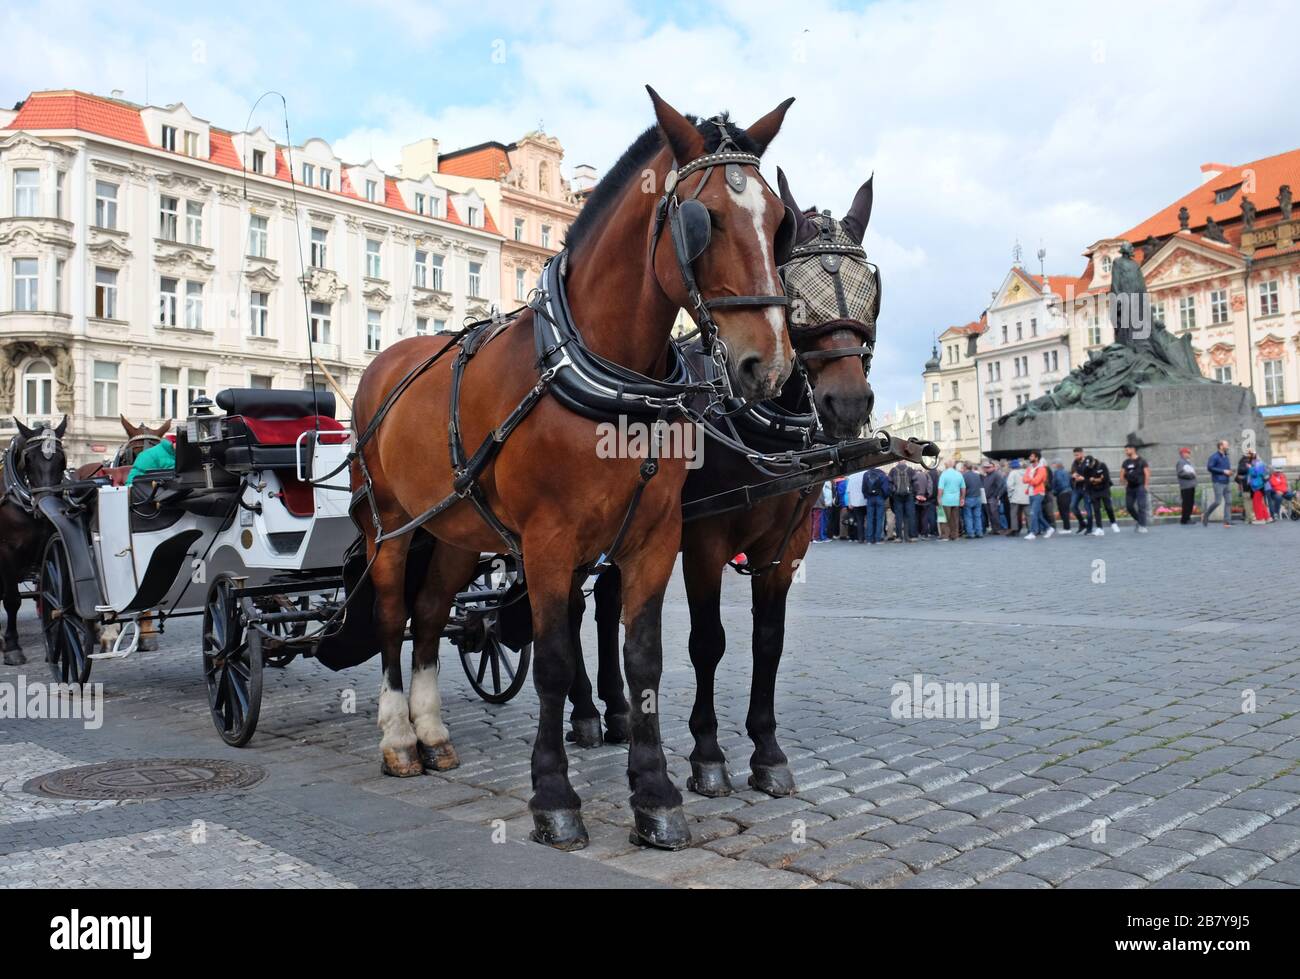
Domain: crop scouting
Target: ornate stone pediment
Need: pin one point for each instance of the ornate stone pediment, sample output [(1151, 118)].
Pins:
[(1221, 354), (431, 300), (182, 182), (36, 231), (323, 285), (184, 262), (1271, 347), (24, 147), (376, 294), (478, 309), (1182, 264), (109, 252), (424, 239), (262, 278)]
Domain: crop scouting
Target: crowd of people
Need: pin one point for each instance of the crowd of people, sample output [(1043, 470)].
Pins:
[(1012, 497)]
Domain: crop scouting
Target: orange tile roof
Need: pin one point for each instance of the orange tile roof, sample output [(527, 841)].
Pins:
[(1268, 175), (1059, 284), (121, 121), (488, 161)]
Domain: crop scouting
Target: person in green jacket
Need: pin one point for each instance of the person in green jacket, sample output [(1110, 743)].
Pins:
[(160, 456)]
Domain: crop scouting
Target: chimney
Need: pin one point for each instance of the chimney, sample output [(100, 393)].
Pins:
[(584, 177), (419, 159), (1211, 170)]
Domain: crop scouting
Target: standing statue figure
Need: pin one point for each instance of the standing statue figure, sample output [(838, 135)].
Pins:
[(1130, 307), (1248, 211), (1284, 201)]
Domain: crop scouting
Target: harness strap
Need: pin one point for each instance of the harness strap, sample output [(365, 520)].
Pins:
[(756, 570)]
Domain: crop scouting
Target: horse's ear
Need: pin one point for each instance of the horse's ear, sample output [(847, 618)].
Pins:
[(23, 430), (163, 429), (131, 430), (63, 427), (682, 137), (805, 229), (855, 222), (764, 130)]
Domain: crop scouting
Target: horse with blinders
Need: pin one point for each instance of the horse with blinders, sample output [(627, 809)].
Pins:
[(835, 297), (537, 482), (34, 460)]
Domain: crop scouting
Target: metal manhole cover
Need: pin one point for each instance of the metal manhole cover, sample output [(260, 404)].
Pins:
[(148, 778)]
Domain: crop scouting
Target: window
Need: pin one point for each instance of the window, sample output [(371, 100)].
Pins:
[(1268, 305), (194, 223), (1105, 264), (374, 267), (519, 229), (439, 326), (169, 138), (993, 408), (1225, 194), (259, 163), (320, 322), (38, 389), (169, 392), (521, 288), (196, 385), (259, 304), (27, 192), (1223, 373), (26, 285), (1218, 306), (374, 329), (997, 372), (934, 391), (475, 278), (437, 208), (1274, 391), (319, 247), (1033, 327), (194, 305), (471, 217), (1094, 334), (1004, 333), (546, 236), (420, 203), (168, 289), (106, 294), (60, 181), (191, 143), (257, 236), (421, 325), (956, 429), (372, 191), (1051, 360), (1020, 331), (260, 381), (1158, 311), (105, 394), (326, 178), (435, 280), (105, 205), (309, 175), (421, 269), (168, 221), (937, 433), (59, 266), (990, 370), (955, 390), (1187, 312)]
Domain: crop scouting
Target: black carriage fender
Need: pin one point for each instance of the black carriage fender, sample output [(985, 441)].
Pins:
[(76, 542)]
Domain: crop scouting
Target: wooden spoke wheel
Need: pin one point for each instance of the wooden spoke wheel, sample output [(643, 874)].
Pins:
[(69, 639), (495, 671), (232, 664)]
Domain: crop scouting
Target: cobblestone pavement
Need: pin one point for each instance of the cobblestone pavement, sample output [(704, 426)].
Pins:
[(1147, 735)]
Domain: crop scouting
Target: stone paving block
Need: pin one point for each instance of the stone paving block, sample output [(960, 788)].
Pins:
[(922, 855), (1027, 842), (1231, 865), (1014, 881), (875, 872), (965, 837), (896, 834), (1150, 861), (937, 878), (827, 862), (1228, 824), (1277, 840), (1284, 871), (847, 828), (1105, 880), (1062, 862)]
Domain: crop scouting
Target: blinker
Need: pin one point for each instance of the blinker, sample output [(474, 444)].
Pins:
[(697, 227)]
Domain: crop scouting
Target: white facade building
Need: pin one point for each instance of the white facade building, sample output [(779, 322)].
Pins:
[(139, 267)]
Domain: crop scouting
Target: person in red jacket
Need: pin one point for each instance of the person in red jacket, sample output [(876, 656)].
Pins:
[(1036, 482)]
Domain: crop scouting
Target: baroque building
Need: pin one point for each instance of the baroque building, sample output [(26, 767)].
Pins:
[(148, 256), (951, 392), (521, 182)]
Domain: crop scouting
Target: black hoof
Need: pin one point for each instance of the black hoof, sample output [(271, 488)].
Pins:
[(663, 829), (776, 780), (618, 728), (439, 757), (710, 778), (14, 657), (561, 829), (585, 732)]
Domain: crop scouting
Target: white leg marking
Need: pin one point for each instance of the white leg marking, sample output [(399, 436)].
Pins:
[(426, 707), (394, 720)]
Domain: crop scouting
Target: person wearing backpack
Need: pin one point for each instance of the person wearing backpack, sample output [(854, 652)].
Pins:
[(903, 502), (1257, 479), (875, 488), (1186, 473)]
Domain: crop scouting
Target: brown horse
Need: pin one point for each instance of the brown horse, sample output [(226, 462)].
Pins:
[(833, 341), (34, 460), (558, 496)]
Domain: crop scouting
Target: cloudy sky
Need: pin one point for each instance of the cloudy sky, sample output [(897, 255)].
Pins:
[(984, 123)]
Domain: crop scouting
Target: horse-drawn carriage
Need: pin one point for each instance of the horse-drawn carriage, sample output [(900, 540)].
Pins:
[(244, 533)]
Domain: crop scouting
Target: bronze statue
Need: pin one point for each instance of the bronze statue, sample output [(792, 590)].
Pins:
[(1284, 201), (1248, 211), (1184, 219)]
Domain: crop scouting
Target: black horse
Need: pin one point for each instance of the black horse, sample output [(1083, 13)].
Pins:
[(837, 293), (34, 460)]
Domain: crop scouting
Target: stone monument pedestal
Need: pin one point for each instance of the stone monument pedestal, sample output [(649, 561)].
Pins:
[(1159, 420)]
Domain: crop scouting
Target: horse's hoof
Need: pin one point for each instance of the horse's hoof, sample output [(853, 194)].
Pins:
[(775, 780), (618, 728), (438, 757), (709, 778), (663, 829), (14, 657), (585, 732), (148, 643), (400, 765), (560, 829)]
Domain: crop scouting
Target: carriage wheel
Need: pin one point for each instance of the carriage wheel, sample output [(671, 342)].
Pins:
[(495, 671), (69, 639), (232, 664)]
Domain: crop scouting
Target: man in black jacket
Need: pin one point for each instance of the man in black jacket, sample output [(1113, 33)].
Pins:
[(903, 502), (995, 488), (1080, 497), (1099, 484)]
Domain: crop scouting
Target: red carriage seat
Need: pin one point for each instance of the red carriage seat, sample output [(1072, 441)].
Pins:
[(264, 427)]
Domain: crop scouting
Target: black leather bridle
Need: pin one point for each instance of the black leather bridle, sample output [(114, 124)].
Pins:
[(689, 224)]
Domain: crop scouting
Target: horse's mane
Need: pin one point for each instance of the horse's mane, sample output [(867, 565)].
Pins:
[(630, 165)]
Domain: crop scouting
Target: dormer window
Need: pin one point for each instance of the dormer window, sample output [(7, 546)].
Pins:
[(259, 161), (309, 175), (191, 143), (471, 217), (420, 203), (169, 138), (1226, 194), (372, 191), (326, 178), (1105, 264)]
